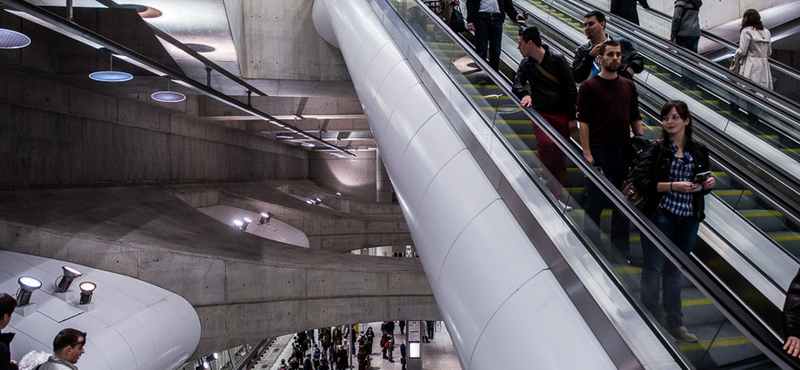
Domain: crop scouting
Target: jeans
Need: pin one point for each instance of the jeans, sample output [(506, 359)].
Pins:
[(615, 163), (688, 42), (658, 273), (488, 34)]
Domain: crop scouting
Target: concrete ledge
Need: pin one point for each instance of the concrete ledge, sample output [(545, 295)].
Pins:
[(240, 284)]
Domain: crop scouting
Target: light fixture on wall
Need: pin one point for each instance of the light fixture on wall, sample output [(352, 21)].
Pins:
[(69, 274), (308, 145), (265, 217), (247, 221), (338, 193), (27, 285), (111, 75), (311, 202), (237, 224), (319, 201), (10, 39), (87, 288), (168, 96)]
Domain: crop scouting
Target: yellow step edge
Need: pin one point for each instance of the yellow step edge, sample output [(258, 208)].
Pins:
[(761, 213), (789, 150), (786, 238), (769, 137), (714, 102), (724, 193), (626, 270), (718, 343), (519, 136), (528, 152)]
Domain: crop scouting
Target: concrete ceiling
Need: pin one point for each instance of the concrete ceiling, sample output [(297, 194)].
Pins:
[(273, 46)]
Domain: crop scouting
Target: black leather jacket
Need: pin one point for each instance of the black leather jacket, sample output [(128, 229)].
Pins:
[(582, 63), (5, 352), (791, 309), (646, 181), (547, 96)]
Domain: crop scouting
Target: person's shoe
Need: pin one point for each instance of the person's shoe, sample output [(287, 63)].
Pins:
[(683, 334), (564, 206), (545, 181)]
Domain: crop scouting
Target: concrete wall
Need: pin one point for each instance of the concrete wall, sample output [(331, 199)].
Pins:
[(268, 25), (354, 179), (55, 135)]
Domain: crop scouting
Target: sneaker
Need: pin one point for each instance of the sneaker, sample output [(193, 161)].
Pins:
[(683, 334), (565, 207)]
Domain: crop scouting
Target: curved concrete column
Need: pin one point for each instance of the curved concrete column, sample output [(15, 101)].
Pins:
[(487, 276)]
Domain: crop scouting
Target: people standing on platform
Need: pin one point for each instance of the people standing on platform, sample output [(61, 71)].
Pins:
[(608, 110), (587, 62), (431, 327), (323, 365), (342, 358), (370, 340), (754, 50), (486, 18), (668, 172), (686, 24), (307, 363), (390, 348), (553, 95), (403, 356), (402, 325), (316, 354), (67, 350), (7, 306), (627, 9), (283, 365), (390, 327)]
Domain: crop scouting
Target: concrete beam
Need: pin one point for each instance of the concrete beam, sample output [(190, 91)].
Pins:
[(287, 106), (244, 287)]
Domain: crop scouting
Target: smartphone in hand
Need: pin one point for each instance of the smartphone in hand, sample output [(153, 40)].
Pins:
[(701, 177)]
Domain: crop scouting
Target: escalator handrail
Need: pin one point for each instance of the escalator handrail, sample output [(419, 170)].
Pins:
[(748, 89), (740, 316)]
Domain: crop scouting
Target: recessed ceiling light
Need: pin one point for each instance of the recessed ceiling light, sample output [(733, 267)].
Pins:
[(284, 137), (168, 96), (13, 40), (111, 76), (308, 145), (201, 48), (144, 11)]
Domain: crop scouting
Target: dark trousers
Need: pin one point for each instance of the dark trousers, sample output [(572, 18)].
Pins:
[(659, 274), (615, 163), (688, 42), (488, 35)]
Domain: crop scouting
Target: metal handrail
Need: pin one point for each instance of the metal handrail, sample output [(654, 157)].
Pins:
[(727, 304)]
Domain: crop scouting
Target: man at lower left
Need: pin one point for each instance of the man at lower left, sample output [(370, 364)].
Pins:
[(67, 349)]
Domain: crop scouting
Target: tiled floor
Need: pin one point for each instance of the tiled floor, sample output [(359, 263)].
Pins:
[(439, 354)]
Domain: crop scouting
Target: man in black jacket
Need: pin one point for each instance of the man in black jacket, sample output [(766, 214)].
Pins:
[(486, 18), (791, 317), (553, 95), (586, 62), (7, 306)]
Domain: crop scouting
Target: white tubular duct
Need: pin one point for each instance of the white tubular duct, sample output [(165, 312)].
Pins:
[(492, 286)]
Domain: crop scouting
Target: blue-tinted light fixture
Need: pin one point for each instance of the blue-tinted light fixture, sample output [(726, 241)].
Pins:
[(66, 279), (111, 75), (27, 285), (10, 39), (168, 96)]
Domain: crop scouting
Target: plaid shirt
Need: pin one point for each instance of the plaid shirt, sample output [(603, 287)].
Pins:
[(681, 170)]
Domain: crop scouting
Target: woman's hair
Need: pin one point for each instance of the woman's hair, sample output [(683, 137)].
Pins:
[(751, 18), (683, 112)]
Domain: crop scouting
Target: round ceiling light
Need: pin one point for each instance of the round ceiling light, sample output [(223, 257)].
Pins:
[(144, 11), (309, 145), (284, 137), (201, 48), (111, 76), (13, 40), (168, 96)]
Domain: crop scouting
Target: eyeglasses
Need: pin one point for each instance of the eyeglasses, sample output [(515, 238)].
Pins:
[(83, 342)]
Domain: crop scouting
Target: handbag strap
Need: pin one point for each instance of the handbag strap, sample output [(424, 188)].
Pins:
[(545, 73)]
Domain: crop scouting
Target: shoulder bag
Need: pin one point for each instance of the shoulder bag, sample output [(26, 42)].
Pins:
[(457, 21)]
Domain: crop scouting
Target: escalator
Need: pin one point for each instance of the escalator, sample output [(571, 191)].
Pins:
[(736, 113), (727, 321)]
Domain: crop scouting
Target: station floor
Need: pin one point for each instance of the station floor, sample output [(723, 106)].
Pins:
[(439, 354)]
